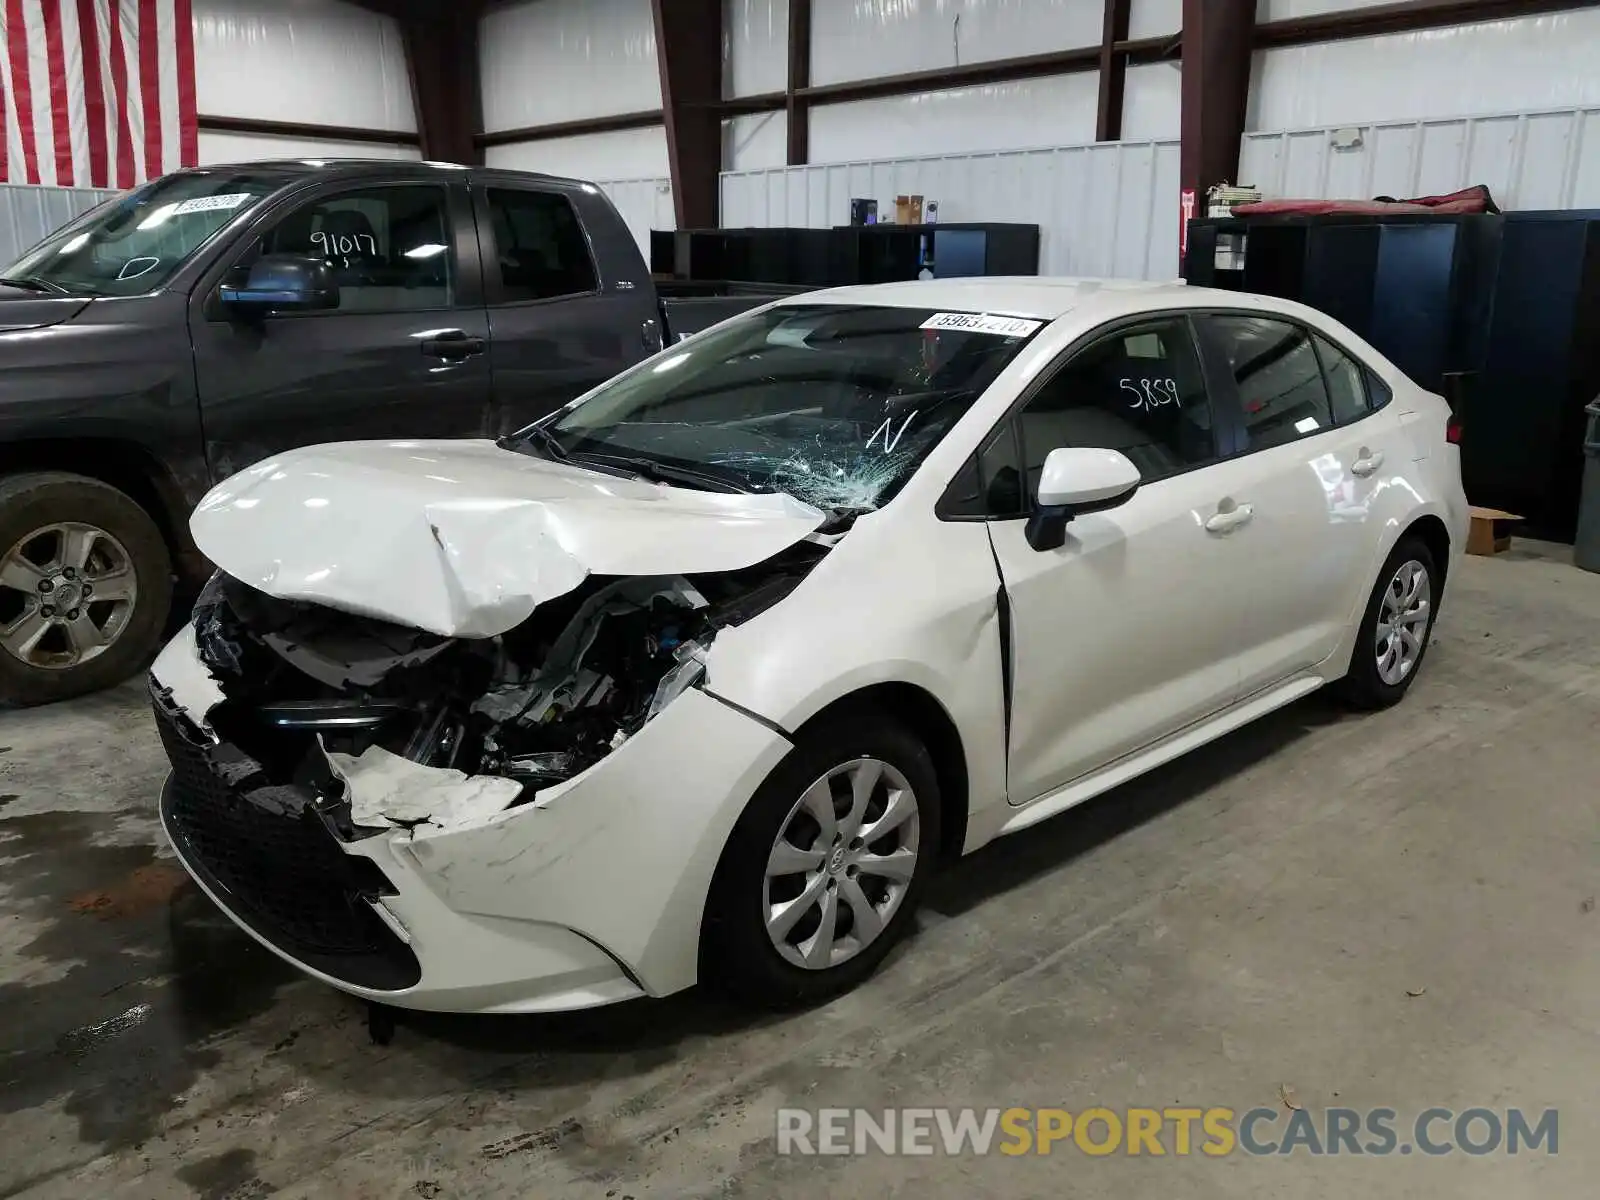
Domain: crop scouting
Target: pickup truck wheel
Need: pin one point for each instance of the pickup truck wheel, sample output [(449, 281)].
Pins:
[(85, 586)]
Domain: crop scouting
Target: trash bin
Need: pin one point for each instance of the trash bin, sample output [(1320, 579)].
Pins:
[(1586, 547)]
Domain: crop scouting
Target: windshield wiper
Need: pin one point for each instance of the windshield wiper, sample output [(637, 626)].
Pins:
[(659, 472), (548, 442), (30, 283)]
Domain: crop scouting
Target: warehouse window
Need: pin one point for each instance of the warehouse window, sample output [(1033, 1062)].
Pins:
[(540, 246), (1139, 391), (388, 246), (1280, 383)]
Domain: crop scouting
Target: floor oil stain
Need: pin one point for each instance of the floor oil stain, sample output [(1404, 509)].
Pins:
[(132, 1018), (230, 1175), (80, 1041), (146, 889)]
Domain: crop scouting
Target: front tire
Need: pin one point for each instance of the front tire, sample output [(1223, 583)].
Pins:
[(826, 866), (1395, 629), (85, 587)]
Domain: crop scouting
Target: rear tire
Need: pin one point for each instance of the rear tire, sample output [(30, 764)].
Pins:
[(1395, 629), (798, 912), (49, 521)]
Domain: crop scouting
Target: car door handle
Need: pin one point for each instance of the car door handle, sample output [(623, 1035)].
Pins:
[(453, 344), (1227, 520), (1366, 462)]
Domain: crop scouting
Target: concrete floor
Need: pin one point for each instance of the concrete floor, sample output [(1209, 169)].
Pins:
[(1248, 922)]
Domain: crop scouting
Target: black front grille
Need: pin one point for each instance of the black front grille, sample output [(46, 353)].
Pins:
[(274, 863)]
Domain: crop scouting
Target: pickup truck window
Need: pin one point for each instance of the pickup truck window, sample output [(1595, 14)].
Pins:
[(539, 244), (388, 246), (835, 404), (134, 243)]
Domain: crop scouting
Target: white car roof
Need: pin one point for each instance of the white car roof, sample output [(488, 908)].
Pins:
[(1040, 297)]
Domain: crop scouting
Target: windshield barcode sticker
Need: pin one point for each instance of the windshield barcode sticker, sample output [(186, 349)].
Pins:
[(228, 201), (983, 323)]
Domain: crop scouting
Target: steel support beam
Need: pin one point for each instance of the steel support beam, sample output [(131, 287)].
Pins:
[(689, 55), (798, 106), (1402, 16), (1113, 71), (301, 129), (442, 61), (1206, 22), (1217, 36)]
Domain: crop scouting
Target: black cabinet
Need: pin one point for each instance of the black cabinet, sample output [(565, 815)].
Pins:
[(1540, 365), (891, 253), (1501, 310), (845, 254)]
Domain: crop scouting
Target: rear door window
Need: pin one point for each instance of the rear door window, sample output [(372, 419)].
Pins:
[(1280, 386), (1347, 383), (541, 252)]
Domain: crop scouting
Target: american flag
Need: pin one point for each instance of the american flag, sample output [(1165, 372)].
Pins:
[(96, 93)]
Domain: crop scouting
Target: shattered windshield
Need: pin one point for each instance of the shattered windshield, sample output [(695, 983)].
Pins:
[(836, 405)]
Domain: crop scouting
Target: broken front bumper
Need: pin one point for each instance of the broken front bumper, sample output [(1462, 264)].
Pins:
[(591, 894)]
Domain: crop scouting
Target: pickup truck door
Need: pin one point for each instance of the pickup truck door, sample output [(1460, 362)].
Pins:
[(569, 298), (405, 355)]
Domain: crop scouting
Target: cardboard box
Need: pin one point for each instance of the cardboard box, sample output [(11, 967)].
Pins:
[(1487, 534)]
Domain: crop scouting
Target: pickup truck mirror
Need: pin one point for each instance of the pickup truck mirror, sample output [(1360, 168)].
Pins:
[(281, 283)]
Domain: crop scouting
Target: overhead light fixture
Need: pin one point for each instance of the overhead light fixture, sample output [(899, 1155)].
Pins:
[(159, 217), (426, 250)]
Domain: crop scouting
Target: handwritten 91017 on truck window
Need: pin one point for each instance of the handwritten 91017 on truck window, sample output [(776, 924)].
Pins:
[(983, 323)]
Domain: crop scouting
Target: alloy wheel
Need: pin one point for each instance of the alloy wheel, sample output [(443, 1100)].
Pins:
[(1403, 622), (842, 863), (67, 593)]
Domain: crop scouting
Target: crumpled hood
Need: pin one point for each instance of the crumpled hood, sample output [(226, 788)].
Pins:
[(464, 539)]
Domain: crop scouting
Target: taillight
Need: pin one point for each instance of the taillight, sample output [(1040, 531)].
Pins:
[(1452, 431)]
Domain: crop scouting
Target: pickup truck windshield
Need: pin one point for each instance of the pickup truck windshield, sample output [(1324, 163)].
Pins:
[(134, 243), (836, 405)]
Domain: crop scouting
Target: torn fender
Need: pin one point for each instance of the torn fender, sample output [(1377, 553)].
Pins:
[(465, 539)]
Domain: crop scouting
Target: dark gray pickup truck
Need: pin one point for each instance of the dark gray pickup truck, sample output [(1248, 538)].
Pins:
[(214, 317)]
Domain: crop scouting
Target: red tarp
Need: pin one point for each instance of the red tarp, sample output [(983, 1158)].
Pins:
[(1469, 200)]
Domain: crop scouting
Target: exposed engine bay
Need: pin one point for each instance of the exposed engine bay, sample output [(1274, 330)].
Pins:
[(313, 695)]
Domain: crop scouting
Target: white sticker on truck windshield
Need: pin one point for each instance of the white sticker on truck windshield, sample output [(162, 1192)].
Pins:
[(226, 202), (983, 323)]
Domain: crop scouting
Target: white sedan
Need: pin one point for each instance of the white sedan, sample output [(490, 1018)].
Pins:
[(701, 677)]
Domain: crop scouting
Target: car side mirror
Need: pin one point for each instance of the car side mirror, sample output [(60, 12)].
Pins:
[(281, 283), (1077, 480)]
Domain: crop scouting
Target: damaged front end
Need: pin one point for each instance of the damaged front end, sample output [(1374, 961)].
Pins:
[(298, 734), (390, 726)]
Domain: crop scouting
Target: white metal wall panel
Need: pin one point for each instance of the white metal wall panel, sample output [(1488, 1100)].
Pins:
[(757, 46), (1001, 116), (1155, 18), (546, 61), (1152, 101), (755, 142), (644, 204), (319, 61), (1527, 160), (859, 39), (625, 154), (1104, 209), (1516, 65), (27, 214), (217, 148)]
